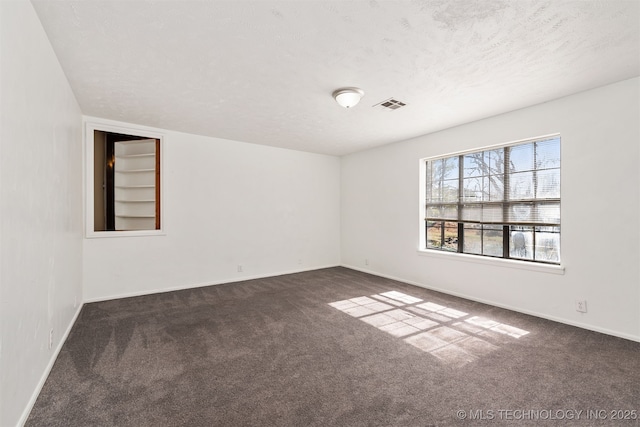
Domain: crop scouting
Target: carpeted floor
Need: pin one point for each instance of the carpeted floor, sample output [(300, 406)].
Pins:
[(332, 347)]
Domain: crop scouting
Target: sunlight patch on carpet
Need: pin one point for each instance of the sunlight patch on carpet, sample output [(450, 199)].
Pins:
[(453, 336)]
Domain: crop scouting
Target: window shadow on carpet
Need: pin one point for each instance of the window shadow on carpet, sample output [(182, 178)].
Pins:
[(454, 337)]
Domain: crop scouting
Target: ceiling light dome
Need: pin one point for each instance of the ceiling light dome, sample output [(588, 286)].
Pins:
[(348, 97)]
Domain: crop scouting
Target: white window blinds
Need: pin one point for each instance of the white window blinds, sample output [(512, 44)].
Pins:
[(511, 185)]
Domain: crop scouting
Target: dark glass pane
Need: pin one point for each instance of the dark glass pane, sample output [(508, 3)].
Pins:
[(548, 184), (450, 192), (433, 212), (472, 212), (476, 164), (496, 161), (496, 188), (451, 166), (548, 153), (434, 234), (429, 180), (450, 236), (521, 212), (451, 212), (547, 244), (492, 240), (492, 213), (521, 158), (442, 169), (472, 239), (442, 191), (442, 212), (434, 192), (548, 213), (436, 169), (521, 186), (521, 242), (474, 190)]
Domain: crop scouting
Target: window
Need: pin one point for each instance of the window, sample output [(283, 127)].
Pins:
[(501, 202), (123, 182)]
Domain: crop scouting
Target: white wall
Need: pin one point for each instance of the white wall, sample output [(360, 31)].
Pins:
[(41, 209), (226, 203), (275, 211), (599, 129)]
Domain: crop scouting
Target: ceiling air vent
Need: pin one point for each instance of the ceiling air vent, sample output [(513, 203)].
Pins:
[(390, 104)]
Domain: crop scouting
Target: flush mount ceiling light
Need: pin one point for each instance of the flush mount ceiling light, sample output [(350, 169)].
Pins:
[(348, 97)]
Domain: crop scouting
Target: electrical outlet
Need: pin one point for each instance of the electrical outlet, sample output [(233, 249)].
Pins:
[(581, 305), (366, 261), (239, 268), (50, 338)]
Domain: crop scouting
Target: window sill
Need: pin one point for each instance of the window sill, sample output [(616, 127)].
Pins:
[(136, 233), (498, 262)]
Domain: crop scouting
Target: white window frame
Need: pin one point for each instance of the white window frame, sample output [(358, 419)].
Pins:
[(422, 249), (90, 126)]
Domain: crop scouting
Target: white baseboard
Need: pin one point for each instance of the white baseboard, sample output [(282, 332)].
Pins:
[(505, 306), (54, 355), (56, 352), (201, 285), (47, 371)]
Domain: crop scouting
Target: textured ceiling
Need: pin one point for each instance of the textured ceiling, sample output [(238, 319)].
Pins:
[(263, 71)]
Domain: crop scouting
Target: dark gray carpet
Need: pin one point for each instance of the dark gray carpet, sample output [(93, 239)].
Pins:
[(305, 350)]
